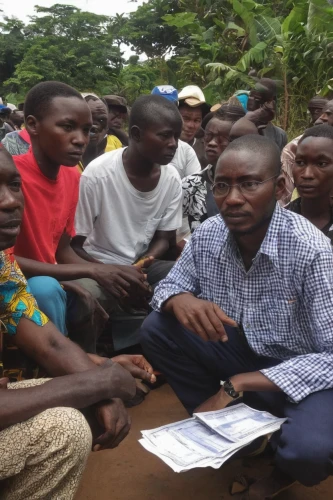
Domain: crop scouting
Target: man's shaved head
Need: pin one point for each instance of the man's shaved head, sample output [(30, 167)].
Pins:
[(325, 131), (150, 109), (256, 145)]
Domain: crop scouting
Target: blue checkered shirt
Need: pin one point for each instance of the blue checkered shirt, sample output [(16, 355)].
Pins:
[(284, 302)]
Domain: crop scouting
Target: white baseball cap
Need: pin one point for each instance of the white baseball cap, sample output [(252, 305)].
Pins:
[(11, 106), (192, 95)]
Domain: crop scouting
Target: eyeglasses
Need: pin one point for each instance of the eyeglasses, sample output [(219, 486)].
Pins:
[(246, 187)]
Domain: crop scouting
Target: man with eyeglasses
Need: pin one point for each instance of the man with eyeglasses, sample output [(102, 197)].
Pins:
[(250, 303)]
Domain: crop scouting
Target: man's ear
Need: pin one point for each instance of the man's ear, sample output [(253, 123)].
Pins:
[(31, 124), (135, 133), (280, 186)]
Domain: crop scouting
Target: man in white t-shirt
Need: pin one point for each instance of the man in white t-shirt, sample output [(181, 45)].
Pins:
[(130, 202), (185, 160)]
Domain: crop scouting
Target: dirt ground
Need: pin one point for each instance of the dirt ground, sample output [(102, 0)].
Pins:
[(130, 472)]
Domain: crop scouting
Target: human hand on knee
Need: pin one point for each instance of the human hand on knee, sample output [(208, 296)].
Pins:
[(201, 317), (122, 281), (92, 306), (113, 418)]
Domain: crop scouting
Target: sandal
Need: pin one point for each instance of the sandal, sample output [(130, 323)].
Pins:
[(266, 488)]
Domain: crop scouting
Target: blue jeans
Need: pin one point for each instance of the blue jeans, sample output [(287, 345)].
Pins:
[(194, 368), (67, 311), (51, 300)]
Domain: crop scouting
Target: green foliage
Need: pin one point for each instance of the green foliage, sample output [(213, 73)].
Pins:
[(12, 47), (211, 43), (146, 31), (63, 44)]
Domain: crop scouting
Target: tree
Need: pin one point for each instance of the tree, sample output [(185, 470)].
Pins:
[(12, 47), (68, 45), (211, 43), (291, 42), (146, 32)]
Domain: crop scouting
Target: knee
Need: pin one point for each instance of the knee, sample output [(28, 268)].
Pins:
[(308, 458), (45, 289), (69, 432), (150, 328)]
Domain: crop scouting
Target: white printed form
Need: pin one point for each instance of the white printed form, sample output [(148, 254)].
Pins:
[(188, 443), (240, 422)]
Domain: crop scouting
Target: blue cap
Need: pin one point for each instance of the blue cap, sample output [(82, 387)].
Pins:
[(167, 91), (4, 108), (243, 97)]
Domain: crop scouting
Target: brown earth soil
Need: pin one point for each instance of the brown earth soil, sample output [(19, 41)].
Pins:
[(130, 472)]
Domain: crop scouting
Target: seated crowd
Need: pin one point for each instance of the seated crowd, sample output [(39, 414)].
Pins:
[(96, 226)]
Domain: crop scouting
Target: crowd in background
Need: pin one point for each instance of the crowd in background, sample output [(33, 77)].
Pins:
[(108, 213)]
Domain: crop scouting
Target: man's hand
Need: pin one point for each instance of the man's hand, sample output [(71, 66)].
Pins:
[(88, 300), (117, 381), (137, 365), (262, 116), (216, 402), (113, 418), (121, 281), (201, 317)]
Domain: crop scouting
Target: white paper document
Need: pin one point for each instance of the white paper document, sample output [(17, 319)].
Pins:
[(210, 438), (240, 422)]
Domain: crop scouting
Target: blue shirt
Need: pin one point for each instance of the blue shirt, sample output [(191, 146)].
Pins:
[(284, 301)]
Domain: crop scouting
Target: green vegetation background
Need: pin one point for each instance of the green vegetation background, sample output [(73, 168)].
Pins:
[(211, 43)]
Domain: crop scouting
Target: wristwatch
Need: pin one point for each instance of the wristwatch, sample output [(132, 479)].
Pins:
[(230, 390)]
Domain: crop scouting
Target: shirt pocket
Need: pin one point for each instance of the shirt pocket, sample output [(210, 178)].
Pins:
[(283, 322)]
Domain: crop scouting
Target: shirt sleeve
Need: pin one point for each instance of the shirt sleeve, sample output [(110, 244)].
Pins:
[(283, 139), (181, 279), (192, 163), (172, 218), (112, 143), (16, 298), (287, 160), (302, 375), (88, 208)]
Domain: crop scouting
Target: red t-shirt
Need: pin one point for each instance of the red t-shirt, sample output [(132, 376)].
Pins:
[(49, 209)]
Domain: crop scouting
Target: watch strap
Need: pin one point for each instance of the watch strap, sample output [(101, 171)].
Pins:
[(230, 390)]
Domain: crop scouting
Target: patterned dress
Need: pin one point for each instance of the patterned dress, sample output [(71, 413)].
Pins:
[(195, 190)]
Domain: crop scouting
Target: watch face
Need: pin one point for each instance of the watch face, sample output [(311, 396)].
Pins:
[(229, 389)]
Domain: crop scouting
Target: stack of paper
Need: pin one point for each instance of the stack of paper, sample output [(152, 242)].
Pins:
[(209, 438)]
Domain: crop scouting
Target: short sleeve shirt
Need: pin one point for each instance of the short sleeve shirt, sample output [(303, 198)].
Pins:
[(16, 300), (49, 209), (119, 221)]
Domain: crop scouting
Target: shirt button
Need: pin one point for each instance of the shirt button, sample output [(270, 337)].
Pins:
[(247, 325)]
